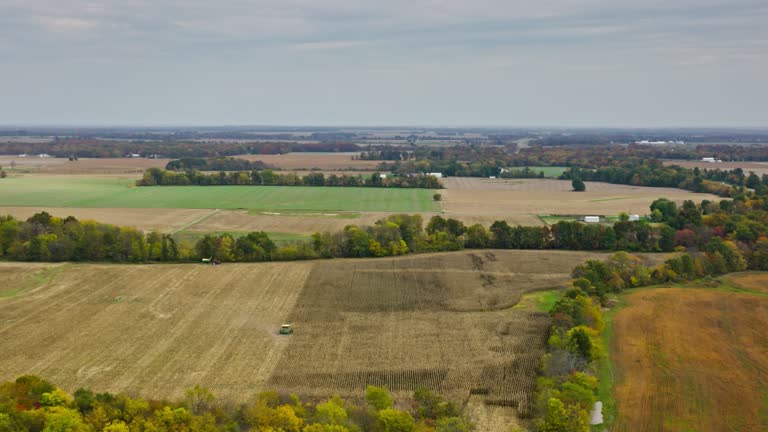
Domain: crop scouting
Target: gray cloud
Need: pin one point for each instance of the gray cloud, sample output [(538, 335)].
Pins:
[(369, 61)]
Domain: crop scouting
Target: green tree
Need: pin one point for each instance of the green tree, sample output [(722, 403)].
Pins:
[(378, 398), (579, 343), (667, 209), (561, 419), (759, 258), (753, 181), (116, 426), (689, 214), (60, 419), (57, 397), (453, 424), (199, 400), (477, 237), (666, 239), (578, 185), (392, 420), (556, 418), (331, 412)]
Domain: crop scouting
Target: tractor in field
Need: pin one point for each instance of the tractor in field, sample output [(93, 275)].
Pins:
[(211, 261), (286, 329)]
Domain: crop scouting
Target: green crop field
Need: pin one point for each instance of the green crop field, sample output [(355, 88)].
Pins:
[(52, 191), (549, 171)]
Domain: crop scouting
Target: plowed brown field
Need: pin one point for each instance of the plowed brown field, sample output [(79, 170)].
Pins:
[(518, 198), (323, 161), (692, 360)]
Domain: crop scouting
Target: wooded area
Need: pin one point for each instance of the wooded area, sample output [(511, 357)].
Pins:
[(158, 177), (32, 404), (742, 222)]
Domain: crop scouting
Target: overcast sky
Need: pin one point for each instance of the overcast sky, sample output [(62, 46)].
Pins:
[(384, 62)]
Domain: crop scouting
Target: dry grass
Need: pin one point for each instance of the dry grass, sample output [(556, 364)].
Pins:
[(692, 359), (523, 199), (439, 320)]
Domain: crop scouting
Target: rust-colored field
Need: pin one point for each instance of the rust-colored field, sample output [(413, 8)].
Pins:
[(323, 161), (132, 167), (758, 168), (440, 320), (525, 198), (691, 360)]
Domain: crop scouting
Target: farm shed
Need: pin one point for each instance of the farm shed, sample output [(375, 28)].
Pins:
[(592, 219)]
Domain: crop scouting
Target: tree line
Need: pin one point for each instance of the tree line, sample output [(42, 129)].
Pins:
[(216, 164), (612, 162), (159, 177), (32, 404), (104, 148), (723, 183), (692, 226)]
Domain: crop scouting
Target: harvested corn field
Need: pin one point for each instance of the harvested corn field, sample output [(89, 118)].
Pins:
[(443, 321), (440, 320)]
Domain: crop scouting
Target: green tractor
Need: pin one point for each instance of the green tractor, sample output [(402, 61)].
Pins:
[(286, 329)]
